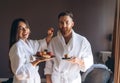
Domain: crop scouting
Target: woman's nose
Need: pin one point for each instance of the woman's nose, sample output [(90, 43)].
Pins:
[(25, 30)]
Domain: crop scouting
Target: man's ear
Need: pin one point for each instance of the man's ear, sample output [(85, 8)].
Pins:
[(73, 24)]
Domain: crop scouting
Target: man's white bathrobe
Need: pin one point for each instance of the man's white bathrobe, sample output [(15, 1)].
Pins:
[(21, 54), (62, 71)]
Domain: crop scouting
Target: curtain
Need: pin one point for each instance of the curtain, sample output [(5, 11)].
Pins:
[(116, 44)]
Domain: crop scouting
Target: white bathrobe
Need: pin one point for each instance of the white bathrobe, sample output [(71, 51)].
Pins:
[(63, 71), (21, 54)]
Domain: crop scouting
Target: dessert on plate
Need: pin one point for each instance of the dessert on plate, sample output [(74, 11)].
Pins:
[(66, 56), (45, 54)]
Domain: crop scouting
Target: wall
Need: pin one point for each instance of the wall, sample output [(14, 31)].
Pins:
[(93, 19)]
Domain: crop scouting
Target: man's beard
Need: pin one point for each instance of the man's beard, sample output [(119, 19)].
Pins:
[(66, 33)]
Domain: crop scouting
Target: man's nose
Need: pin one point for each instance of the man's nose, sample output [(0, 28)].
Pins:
[(64, 25)]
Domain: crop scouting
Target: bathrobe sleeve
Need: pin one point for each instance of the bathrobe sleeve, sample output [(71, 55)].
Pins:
[(20, 57), (49, 64), (86, 55), (43, 44), (20, 67)]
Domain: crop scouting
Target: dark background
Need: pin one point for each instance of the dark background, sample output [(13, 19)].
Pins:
[(93, 18)]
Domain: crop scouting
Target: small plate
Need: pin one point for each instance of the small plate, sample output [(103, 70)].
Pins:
[(42, 58), (67, 58)]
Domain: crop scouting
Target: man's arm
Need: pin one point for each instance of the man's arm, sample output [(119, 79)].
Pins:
[(48, 78)]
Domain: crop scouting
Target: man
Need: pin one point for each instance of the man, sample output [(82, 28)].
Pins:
[(68, 43)]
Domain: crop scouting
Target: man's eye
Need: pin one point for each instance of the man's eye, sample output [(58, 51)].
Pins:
[(67, 22)]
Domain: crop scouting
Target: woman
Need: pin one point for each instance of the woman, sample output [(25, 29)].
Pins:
[(23, 63)]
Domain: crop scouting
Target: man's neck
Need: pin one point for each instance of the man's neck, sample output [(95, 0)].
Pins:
[(67, 38)]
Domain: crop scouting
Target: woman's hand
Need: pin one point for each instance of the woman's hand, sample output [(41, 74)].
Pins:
[(37, 61), (49, 34)]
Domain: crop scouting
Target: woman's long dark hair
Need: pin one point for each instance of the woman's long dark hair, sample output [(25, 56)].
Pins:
[(14, 30)]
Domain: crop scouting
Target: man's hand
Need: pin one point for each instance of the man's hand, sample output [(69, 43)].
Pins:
[(77, 60), (48, 78), (49, 34)]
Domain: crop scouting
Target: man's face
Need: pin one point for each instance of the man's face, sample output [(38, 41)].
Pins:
[(65, 25)]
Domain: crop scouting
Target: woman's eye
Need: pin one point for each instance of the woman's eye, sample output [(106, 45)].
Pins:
[(21, 28)]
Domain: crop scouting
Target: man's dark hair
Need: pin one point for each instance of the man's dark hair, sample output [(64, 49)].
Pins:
[(66, 13)]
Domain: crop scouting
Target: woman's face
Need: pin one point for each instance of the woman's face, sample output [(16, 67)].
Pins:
[(23, 31)]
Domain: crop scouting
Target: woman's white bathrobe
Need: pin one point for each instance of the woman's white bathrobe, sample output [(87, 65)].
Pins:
[(63, 71), (21, 54)]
